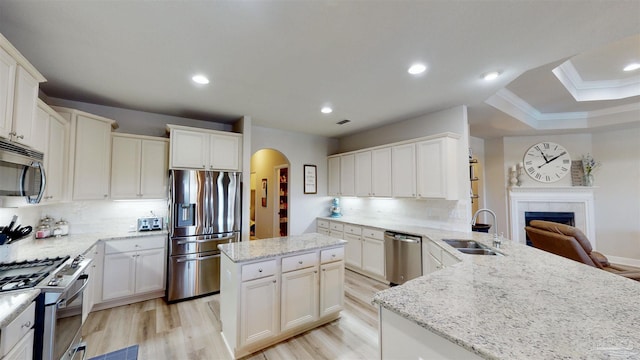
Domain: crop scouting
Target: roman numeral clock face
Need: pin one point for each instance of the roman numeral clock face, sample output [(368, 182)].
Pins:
[(547, 162)]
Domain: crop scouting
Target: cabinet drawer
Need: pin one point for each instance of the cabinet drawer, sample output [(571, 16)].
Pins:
[(353, 230), (135, 244), (19, 327), (322, 223), (330, 255), (337, 226), (297, 262), (258, 270), (373, 233), (435, 250)]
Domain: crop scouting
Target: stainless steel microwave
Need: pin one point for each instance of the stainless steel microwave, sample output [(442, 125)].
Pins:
[(21, 172)]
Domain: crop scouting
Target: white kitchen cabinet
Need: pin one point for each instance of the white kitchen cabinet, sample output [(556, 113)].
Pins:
[(363, 173), (299, 298), (23, 350), (353, 249), (41, 122), (93, 293), (373, 252), (331, 285), (381, 184), (333, 186), (7, 88), (322, 227), (435, 257), (139, 167), (12, 333), (403, 165), (260, 309), (24, 107), (56, 154), (347, 175), (133, 266), (436, 167), (192, 148)]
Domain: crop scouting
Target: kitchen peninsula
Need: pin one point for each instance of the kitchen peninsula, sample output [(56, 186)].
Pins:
[(273, 289)]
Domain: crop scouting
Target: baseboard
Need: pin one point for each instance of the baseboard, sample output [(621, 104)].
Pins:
[(623, 261)]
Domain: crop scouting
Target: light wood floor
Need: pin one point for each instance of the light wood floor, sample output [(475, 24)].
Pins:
[(191, 329)]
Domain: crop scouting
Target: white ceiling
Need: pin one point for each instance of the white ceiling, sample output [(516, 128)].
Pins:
[(281, 61)]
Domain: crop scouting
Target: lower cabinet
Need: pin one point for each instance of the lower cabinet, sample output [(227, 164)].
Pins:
[(133, 267), (435, 257), (23, 350), (16, 338), (265, 302), (353, 251)]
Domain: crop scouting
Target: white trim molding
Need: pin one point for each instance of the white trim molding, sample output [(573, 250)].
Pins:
[(594, 90), (576, 199)]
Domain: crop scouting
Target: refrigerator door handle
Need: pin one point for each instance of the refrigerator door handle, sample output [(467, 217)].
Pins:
[(181, 260), (183, 242)]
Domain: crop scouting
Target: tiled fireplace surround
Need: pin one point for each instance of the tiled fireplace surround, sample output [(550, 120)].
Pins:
[(578, 200)]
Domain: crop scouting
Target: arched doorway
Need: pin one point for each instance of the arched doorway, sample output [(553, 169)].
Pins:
[(269, 205)]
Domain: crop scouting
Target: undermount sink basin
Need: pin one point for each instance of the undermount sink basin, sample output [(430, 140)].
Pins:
[(466, 244), (470, 247), (478, 251)]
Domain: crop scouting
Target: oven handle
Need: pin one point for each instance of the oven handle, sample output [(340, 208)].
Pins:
[(62, 303), (183, 242), (198, 258)]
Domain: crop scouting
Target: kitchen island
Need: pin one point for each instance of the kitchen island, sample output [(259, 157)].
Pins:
[(528, 304), (273, 289)]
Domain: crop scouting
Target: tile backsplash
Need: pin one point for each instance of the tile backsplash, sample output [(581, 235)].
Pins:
[(89, 216)]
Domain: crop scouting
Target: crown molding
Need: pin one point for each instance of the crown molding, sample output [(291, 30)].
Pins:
[(593, 90)]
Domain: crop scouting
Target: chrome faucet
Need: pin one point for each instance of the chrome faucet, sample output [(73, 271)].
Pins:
[(496, 239)]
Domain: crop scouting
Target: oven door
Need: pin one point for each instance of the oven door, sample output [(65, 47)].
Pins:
[(63, 320)]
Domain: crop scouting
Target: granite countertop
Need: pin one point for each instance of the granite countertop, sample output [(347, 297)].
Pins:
[(265, 248), (13, 303), (72, 245), (528, 304)]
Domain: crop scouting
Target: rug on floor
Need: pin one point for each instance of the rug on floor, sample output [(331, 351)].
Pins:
[(128, 353)]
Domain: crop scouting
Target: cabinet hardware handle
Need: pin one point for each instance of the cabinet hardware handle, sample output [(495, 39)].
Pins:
[(315, 272), (300, 262), (333, 255), (324, 269), (20, 137), (259, 270), (13, 133), (274, 281), (26, 325)]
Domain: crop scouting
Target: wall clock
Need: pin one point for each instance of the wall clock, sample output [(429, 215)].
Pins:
[(547, 162)]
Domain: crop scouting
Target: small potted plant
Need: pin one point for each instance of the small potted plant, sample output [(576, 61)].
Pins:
[(589, 165)]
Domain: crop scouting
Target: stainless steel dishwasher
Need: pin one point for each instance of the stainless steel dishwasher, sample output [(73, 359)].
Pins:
[(403, 257)]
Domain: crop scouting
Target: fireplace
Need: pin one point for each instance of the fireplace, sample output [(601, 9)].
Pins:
[(577, 200), (561, 217)]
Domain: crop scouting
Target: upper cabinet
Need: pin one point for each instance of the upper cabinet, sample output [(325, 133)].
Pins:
[(19, 83), (139, 167), (421, 168), (90, 154), (193, 148), (56, 152)]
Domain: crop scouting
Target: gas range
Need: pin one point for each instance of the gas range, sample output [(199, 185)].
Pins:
[(48, 273)]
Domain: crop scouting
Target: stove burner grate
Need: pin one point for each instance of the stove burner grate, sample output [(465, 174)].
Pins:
[(27, 274)]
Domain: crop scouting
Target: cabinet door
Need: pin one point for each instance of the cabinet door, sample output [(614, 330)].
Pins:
[(333, 187), (23, 350), (24, 106), (448, 259), (331, 287), (125, 168), (150, 265), (373, 256), (154, 166), (353, 251), (403, 174), (347, 175), (381, 172), (56, 160), (92, 159), (299, 299), (40, 130), (7, 87), (322, 231), (363, 173), (224, 152), (260, 310), (436, 163), (118, 275), (189, 149)]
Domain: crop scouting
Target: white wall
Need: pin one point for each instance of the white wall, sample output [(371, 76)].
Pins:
[(452, 215), (300, 149)]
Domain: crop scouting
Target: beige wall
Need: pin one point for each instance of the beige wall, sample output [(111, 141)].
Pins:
[(263, 163)]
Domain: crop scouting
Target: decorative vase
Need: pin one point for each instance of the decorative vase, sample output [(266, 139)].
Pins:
[(588, 180)]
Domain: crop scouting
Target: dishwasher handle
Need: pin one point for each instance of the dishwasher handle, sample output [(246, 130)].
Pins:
[(402, 237)]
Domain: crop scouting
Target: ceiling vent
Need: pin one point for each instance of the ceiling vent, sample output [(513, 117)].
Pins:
[(342, 122)]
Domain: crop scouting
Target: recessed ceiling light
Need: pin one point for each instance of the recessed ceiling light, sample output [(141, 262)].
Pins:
[(491, 75), (417, 69), (326, 110), (200, 79), (632, 66)]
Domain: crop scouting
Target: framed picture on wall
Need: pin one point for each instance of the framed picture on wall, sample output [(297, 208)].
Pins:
[(310, 177), (264, 193)]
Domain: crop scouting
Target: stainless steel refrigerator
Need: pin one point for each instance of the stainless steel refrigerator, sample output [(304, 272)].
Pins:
[(204, 211)]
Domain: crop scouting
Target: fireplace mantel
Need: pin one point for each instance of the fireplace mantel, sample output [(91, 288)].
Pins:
[(576, 199)]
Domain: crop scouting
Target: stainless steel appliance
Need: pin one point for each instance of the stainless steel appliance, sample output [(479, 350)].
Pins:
[(204, 211), (59, 307), (21, 172), (150, 223), (403, 257)]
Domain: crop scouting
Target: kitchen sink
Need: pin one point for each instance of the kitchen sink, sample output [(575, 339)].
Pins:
[(470, 247)]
